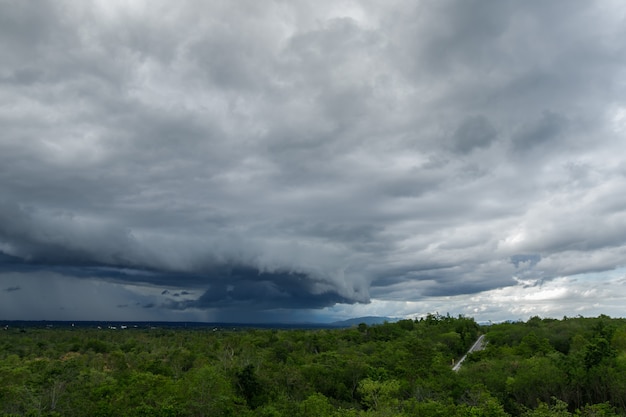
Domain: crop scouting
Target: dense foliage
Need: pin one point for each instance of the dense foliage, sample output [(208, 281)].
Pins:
[(539, 368)]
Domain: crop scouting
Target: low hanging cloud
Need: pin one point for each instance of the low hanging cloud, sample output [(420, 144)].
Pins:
[(240, 159)]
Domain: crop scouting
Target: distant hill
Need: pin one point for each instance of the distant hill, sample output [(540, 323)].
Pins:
[(118, 325), (369, 320)]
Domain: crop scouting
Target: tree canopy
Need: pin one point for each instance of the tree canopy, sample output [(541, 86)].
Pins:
[(541, 367)]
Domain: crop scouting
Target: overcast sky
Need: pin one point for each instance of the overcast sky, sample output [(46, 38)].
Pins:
[(299, 160)]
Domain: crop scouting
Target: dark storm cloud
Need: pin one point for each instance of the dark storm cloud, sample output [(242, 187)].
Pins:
[(548, 127), (265, 291), (474, 132), (520, 259), (244, 157)]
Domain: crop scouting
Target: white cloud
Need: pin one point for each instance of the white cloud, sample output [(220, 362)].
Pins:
[(589, 295)]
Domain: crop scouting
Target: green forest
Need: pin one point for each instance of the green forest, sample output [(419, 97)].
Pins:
[(541, 367)]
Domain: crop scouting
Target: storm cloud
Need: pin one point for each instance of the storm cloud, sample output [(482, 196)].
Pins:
[(248, 160)]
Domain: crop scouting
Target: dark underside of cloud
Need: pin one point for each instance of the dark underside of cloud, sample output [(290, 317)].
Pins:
[(229, 287), (246, 288)]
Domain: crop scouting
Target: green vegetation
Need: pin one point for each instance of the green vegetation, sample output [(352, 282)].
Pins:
[(569, 367)]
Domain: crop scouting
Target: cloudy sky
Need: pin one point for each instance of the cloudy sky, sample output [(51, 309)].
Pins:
[(312, 161)]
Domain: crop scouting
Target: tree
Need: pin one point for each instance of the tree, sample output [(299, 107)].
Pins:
[(250, 387), (558, 409), (207, 392), (316, 405), (377, 394)]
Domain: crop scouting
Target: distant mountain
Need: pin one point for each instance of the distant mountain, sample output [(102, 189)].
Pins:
[(369, 320)]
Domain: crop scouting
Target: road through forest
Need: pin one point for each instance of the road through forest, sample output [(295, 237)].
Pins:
[(478, 345)]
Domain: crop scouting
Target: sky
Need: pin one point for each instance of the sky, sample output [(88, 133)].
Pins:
[(312, 161)]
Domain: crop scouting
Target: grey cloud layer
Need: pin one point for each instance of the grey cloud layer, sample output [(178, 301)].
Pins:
[(332, 152)]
